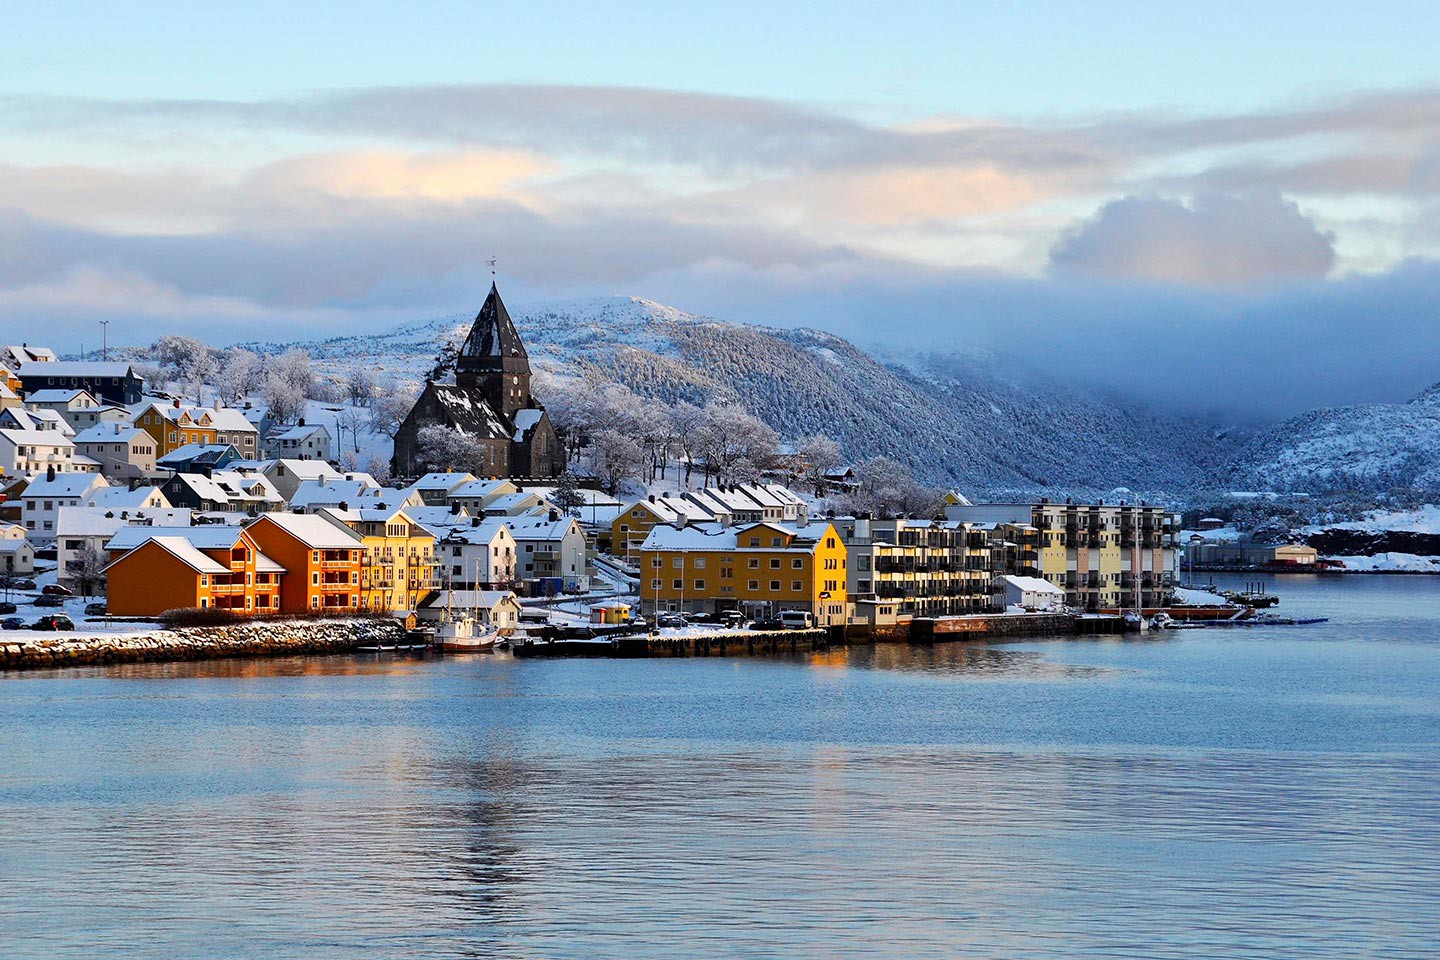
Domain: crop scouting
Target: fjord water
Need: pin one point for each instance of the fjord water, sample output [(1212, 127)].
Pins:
[(1270, 792)]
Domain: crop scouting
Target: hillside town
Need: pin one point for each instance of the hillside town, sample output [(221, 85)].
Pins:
[(122, 501)]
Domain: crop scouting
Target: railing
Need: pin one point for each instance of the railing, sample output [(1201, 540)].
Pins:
[(337, 564)]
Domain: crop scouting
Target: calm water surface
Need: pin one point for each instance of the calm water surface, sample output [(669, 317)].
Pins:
[(1263, 793)]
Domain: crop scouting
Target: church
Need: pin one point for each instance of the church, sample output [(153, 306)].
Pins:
[(489, 401)]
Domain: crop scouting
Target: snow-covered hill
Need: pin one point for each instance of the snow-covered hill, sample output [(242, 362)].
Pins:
[(954, 420), (1370, 448)]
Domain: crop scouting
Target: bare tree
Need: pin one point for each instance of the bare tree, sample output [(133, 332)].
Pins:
[(444, 448), (819, 455), (615, 458), (87, 569), (285, 400), (736, 446), (238, 374), (388, 411), (362, 386), (352, 420), (686, 425)]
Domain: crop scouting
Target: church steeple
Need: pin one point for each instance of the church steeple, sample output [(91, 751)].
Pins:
[(493, 359)]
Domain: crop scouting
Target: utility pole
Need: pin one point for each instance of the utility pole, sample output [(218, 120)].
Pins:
[(104, 339)]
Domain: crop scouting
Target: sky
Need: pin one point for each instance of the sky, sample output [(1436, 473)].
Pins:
[(1228, 210)]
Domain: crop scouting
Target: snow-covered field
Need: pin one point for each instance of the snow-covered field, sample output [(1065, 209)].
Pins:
[(1392, 563), (1424, 519)]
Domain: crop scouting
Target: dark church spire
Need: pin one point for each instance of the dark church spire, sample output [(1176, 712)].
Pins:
[(493, 359)]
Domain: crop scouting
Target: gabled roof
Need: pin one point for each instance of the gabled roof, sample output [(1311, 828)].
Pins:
[(111, 433), (468, 411), (442, 481), (462, 600), (68, 484), (75, 368), (315, 532), (299, 432), (538, 527), (107, 521), (492, 334), (184, 551), (123, 498), (197, 453), (304, 469), (35, 438), (482, 489), (475, 530), (58, 395), (312, 492)]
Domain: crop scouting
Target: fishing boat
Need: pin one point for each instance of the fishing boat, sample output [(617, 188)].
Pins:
[(463, 633)]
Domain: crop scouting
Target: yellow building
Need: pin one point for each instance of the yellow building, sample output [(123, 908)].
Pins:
[(633, 524), (758, 569), (175, 426), (398, 568)]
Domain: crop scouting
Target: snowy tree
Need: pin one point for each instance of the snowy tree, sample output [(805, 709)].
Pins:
[(353, 421), (239, 374), (735, 444), (887, 488), (686, 424), (820, 455), (188, 361), (388, 410), (293, 367), (285, 400), (361, 385), (443, 448), (567, 494), (615, 458), (379, 468)]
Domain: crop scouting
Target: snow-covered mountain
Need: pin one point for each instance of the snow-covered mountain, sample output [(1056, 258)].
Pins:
[(962, 421), (1370, 447)]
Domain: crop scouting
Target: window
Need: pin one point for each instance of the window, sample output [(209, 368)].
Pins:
[(774, 586), (655, 583), (678, 563), (796, 585), (774, 563), (754, 563), (797, 564), (657, 562), (754, 585), (679, 583), (830, 542), (700, 585), (699, 563)]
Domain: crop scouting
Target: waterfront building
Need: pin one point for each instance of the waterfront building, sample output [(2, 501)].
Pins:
[(322, 559), (550, 547), (740, 504), (1032, 593), (477, 552), (926, 568), (154, 569), (1104, 556), (758, 569), (81, 532), (399, 566), (45, 496), (493, 608)]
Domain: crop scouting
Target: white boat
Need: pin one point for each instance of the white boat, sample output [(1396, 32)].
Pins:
[(464, 633), (1134, 621), (1162, 621)]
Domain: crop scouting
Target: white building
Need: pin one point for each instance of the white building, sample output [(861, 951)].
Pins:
[(476, 551), (122, 451), (300, 442), (550, 546), (1033, 593), (32, 451), (17, 555), (497, 608), (82, 528), (43, 499)]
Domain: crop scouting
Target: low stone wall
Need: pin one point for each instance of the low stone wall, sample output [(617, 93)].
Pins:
[(271, 638)]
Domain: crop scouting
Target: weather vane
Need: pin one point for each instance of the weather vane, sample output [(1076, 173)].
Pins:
[(491, 261)]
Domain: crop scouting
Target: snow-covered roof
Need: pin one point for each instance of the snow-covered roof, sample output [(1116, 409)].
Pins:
[(462, 600), (438, 518), (57, 395), (110, 433), (75, 368), (68, 484), (195, 451), (508, 502), (442, 481), (124, 498), (304, 469), (105, 521), (480, 489), (315, 532), (35, 438), (1034, 585), (474, 530), (298, 433), (525, 419), (313, 492), (538, 527)]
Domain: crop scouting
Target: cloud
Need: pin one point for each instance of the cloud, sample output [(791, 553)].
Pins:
[(1217, 239)]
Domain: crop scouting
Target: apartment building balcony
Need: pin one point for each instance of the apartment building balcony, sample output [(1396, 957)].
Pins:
[(225, 589), (336, 586)]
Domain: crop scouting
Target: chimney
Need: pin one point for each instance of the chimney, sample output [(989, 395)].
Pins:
[(301, 423), (50, 472), (345, 506), (474, 521), (554, 516), (175, 403), (455, 508), (217, 403)]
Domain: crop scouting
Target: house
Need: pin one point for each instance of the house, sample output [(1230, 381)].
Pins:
[(224, 491), (490, 402), (45, 496), (399, 566), (14, 357), (436, 489), (287, 475), (42, 420), (610, 612), (112, 381), (1246, 555), (128, 498), (201, 458), (9, 398), (322, 560), (312, 496), (496, 608), (69, 403), (29, 451), (479, 552), (17, 554), (440, 520), (633, 524), (82, 531), (516, 504), (154, 569), (476, 495), (123, 452), (300, 442), (550, 547), (174, 425), (758, 569), (1033, 593)]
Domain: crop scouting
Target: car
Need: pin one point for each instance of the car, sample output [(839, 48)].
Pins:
[(54, 621), (96, 609), (8, 608), (47, 601), (55, 590), (22, 583), (12, 623), (732, 618), (669, 620), (772, 624), (797, 619)]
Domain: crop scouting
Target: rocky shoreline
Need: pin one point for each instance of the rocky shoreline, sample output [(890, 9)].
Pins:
[(254, 639)]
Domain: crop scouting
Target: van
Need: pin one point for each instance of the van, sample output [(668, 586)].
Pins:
[(797, 619)]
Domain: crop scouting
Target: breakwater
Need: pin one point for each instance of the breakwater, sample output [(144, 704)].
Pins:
[(271, 638)]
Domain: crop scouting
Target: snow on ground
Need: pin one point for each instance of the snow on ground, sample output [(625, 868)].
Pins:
[(1218, 535), (1424, 519), (1392, 563), (1199, 598)]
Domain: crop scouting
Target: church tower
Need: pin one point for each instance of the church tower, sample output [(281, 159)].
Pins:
[(493, 361)]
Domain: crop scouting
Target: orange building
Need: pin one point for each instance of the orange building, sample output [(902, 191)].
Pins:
[(322, 561), (154, 569)]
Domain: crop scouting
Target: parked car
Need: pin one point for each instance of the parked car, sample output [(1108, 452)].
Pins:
[(55, 590), (669, 620), (797, 619), (8, 608), (96, 610), (12, 623), (53, 621), (732, 618), (22, 583), (774, 624), (48, 601)]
